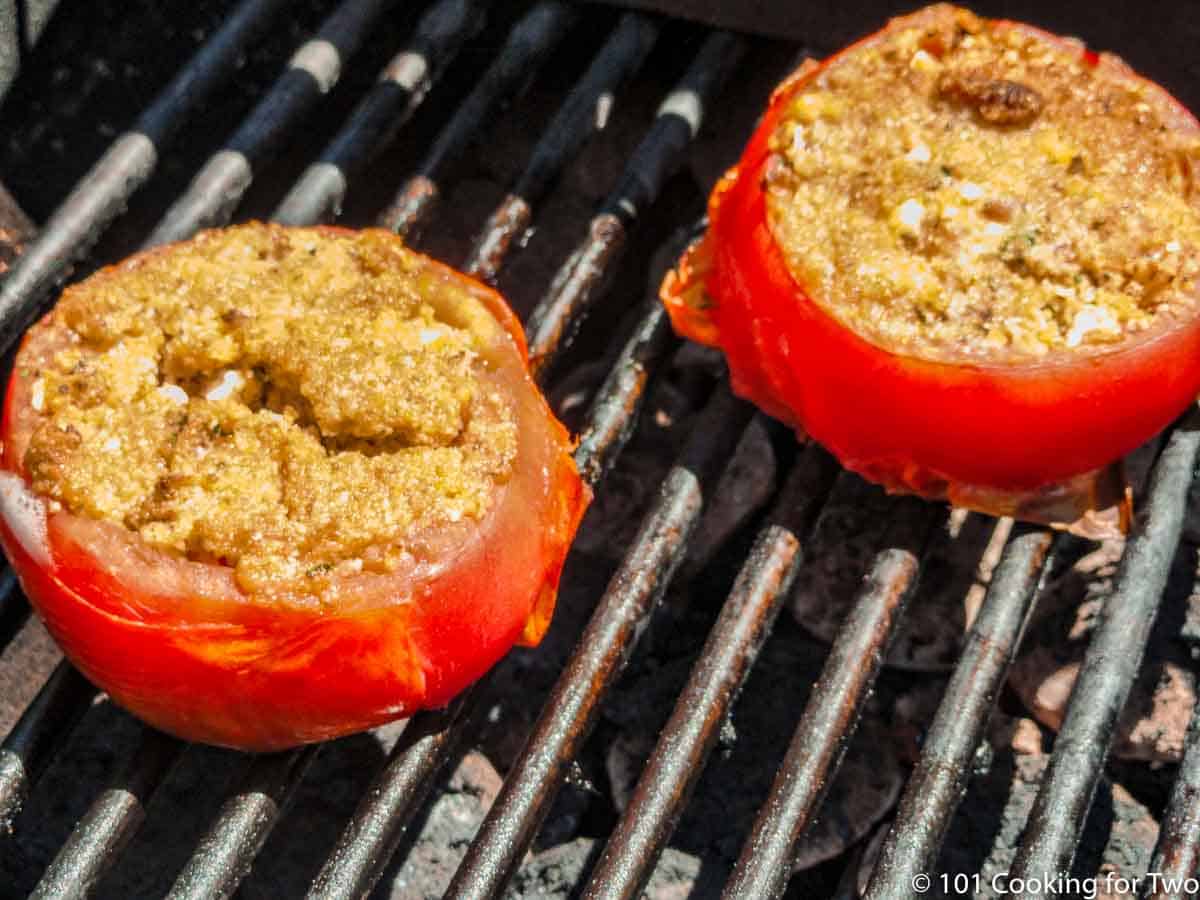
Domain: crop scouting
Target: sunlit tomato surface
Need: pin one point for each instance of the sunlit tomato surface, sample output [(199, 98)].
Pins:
[(182, 646), (1026, 439)]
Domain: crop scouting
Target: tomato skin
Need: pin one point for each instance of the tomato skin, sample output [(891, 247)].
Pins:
[(913, 425), (222, 667)]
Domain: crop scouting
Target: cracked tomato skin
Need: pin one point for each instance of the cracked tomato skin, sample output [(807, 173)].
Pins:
[(180, 645), (985, 433)]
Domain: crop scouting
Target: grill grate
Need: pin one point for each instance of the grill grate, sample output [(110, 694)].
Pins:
[(832, 710), (1112, 661), (935, 788), (313, 70), (101, 195), (526, 49), (1178, 852), (227, 851), (744, 623)]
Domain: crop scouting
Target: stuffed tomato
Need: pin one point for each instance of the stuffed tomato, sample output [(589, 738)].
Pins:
[(272, 486), (963, 255)]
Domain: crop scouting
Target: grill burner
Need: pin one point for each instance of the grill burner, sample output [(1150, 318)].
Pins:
[(535, 32)]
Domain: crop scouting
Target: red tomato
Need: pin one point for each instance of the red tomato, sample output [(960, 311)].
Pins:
[(182, 646), (1024, 439)]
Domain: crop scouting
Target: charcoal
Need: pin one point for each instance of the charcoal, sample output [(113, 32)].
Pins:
[(746, 486), (953, 579), (719, 816), (1153, 724), (28, 661), (1119, 835), (453, 817), (560, 872)]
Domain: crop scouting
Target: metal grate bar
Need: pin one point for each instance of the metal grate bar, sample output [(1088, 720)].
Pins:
[(401, 88), (584, 112), (744, 623), (101, 194), (109, 824), (613, 414), (113, 818), (38, 734), (831, 713), (370, 838), (678, 122), (936, 787), (561, 312), (1110, 665), (605, 645), (224, 856), (226, 852), (528, 46), (1177, 856), (312, 71), (238, 832)]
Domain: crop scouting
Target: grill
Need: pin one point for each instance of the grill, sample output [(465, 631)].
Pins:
[(620, 44)]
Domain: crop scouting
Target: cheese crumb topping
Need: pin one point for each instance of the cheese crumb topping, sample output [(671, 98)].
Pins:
[(960, 190), (289, 402)]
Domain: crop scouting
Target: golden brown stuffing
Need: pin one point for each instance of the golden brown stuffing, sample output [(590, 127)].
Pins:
[(962, 190), (292, 402)]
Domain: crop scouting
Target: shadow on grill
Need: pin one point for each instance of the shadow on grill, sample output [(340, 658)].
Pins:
[(631, 759)]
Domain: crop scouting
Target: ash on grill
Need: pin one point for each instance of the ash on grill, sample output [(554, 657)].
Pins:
[(416, 798)]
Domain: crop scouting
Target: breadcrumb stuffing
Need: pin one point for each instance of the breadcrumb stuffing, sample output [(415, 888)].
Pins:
[(284, 401), (961, 190)]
